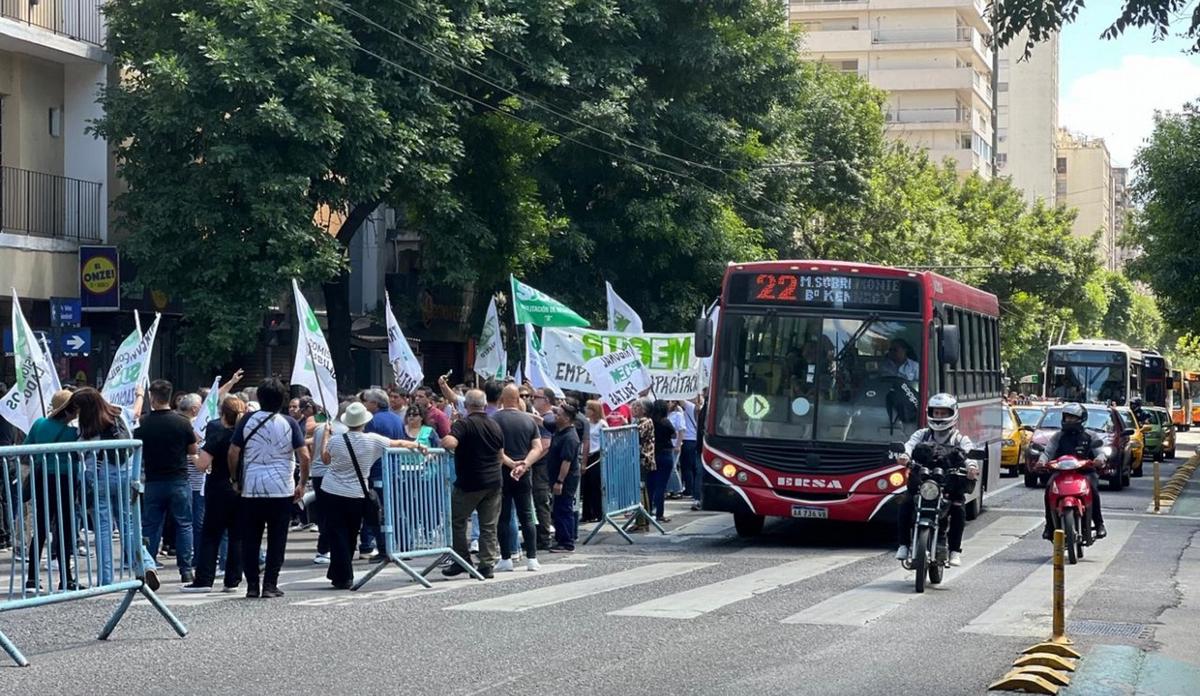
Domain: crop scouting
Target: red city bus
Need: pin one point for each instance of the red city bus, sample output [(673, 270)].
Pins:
[(818, 366)]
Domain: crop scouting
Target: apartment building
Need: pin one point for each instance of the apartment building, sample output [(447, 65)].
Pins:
[(1084, 181), (1122, 207), (1027, 117), (931, 58)]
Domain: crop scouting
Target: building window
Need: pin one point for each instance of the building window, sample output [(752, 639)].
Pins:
[(848, 65), (1002, 86), (964, 141), (1060, 187), (1061, 165)]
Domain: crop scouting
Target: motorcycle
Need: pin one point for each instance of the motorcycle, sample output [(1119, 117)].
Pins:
[(1070, 498), (938, 477)]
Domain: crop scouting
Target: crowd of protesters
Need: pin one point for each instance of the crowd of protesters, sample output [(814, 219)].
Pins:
[(222, 497)]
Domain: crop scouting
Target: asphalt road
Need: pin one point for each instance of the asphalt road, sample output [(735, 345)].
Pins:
[(805, 608)]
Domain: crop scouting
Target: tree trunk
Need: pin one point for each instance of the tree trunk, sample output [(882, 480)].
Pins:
[(337, 299)]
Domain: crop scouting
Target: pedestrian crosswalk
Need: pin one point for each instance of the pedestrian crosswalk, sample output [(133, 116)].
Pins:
[(849, 588)]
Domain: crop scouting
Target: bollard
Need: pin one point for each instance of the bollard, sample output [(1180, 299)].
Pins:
[(1059, 630), (1157, 489)]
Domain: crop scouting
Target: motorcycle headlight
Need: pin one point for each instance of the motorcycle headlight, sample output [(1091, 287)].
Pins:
[(930, 490), (1009, 443), (1106, 452)]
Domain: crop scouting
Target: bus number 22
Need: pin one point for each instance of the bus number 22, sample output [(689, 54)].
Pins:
[(775, 287)]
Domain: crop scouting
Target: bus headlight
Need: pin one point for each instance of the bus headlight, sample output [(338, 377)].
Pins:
[(930, 490), (896, 479), (729, 470), (742, 477)]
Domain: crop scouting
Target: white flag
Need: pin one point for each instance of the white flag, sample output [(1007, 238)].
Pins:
[(13, 411), (621, 317), (537, 370), (405, 365), (210, 410), (54, 380), (130, 367), (314, 363), (620, 376), (35, 374), (490, 359)]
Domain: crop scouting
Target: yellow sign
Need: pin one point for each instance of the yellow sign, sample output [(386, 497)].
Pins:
[(99, 275)]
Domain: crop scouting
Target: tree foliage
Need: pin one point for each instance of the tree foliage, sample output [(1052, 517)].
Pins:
[(1042, 18), (1166, 226)]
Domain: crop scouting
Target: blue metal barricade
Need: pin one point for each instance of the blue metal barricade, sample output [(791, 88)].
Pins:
[(62, 505), (416, 512), (621, 480)]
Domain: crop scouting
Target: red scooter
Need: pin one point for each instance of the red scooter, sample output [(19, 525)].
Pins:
[(1070, 496)]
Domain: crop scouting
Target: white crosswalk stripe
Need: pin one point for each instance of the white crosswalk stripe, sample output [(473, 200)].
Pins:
[(579, 589), (701, 600), (869, 602), (1025, 609)]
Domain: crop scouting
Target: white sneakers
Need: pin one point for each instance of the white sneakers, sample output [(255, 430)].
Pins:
[(902, 553), (532, 564), (321, 559), (505, 565), (474, 548), (955, 558)]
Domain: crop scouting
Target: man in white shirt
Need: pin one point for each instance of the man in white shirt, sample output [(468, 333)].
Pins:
[(899, 364)]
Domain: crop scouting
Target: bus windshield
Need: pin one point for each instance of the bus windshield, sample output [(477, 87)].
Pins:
[(817, 378), (1090, 376)]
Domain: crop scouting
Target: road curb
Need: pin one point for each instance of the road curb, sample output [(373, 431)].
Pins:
[(1173, 489)]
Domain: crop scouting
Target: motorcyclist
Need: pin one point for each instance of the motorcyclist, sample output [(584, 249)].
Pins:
[(1074, 439), (1135, 405), (941, 422)]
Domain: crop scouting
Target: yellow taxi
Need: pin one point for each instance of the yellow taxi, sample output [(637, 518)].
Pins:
[(1137, 441), (1014, 444)]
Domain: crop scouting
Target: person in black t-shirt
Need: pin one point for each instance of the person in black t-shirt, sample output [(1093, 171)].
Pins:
[(562, 463), (523, 445), (167, 440), (221, 506), (478, 446)]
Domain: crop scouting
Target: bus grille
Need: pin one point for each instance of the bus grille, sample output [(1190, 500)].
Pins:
[(814, 458)]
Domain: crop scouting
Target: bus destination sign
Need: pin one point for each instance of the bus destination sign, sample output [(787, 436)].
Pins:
[(825, 290)]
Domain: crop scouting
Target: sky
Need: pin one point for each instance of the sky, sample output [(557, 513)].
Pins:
[(1110, 89)]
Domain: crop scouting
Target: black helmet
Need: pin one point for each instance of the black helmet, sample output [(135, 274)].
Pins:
[(1073, 417), (1135, 404)]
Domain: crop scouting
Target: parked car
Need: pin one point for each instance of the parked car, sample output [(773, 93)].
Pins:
[(1029, 415), (1137, 441), (1014, 444), (1160, 441), (1105, 423)]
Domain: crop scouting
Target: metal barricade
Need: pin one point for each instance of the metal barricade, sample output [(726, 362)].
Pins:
[(62, 506), (621, 480), (416, 512)]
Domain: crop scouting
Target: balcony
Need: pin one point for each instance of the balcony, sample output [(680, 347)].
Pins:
[(933, 35), (46, 205), (837, 41), (75, 19), (948, 116)]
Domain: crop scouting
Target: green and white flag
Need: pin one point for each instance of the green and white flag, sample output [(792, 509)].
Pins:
[(29, 399), (313, 367), (621, 317), (537, 370), (532, 306), (405, 366), (130, 367), (210, 410), (490, 359), (54, 381)]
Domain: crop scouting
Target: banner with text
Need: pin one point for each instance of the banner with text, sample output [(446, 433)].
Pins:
[(313, 367), (674, 369), (130, 367), (407, 370), (621, 377)]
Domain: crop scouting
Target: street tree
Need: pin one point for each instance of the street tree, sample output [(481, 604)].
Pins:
[(1042, 18)]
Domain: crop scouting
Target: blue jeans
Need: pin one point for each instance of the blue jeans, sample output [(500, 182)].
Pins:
[(507, 528), (175, 498), (110, 490), (566, 524), (656, 481), (674, 485), (197, 519)]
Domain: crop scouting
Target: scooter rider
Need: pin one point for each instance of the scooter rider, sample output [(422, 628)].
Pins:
[(941, 421), (1074, 439)]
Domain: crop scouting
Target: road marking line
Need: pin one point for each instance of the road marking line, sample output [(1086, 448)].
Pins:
[(701, 600), (1001, 489), (866, 603), (412, 589), (709, 524), (557, 594), (1025, 609)]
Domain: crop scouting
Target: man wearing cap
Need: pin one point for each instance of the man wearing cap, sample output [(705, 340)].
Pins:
[(562, 464), (478, 445)]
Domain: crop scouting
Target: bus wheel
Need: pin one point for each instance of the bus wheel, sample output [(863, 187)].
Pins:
[(748, 524)]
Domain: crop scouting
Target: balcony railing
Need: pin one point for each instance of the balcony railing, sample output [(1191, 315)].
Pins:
[(930, 35), (46, 205), (943, 115), (77, 19)]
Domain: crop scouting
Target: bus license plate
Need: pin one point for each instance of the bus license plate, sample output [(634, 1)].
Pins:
[(810, 512)]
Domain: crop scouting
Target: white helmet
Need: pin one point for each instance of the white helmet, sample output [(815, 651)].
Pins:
[(940, 401)]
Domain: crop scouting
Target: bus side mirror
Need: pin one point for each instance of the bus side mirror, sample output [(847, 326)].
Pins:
[(703, 341), (949, 344)]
